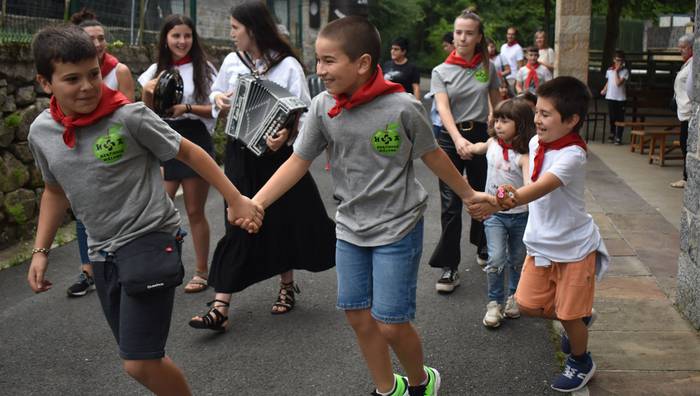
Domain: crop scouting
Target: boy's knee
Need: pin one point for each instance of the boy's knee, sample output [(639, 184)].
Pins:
[(391, 332), (136, 369), (360, 320)]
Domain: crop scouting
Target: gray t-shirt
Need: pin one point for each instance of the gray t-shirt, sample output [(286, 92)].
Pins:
[(112, 175), (467, 89), (372, 148)]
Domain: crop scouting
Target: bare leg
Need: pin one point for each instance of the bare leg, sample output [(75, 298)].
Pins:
[(87, 267), (160, 376), (374, 348), (223, 309), (171, 187), (577, 332), (195, 191), (406, 344), (286, 278)]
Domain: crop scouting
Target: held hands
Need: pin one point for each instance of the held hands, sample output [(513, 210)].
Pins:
[(37, 269), (481, 205), (507, 196), (245, 213), (462, 146), (274, 142)]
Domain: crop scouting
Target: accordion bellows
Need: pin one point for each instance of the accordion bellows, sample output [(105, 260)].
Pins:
[(259, 109)]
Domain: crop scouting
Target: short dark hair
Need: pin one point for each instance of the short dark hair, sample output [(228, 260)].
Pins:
[(532, 48), (448, 37), (619, 54), (569, 95), (521, 114), (528, 96), (356, 36), (61, 43), (401, 42)]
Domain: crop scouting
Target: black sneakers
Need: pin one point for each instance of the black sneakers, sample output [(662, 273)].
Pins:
[(82, 285), (448, 282)]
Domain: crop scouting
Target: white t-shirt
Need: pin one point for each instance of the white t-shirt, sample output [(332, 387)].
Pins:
[(684, 107), (614, 91), (558, 228), (110, 79), (543, 74), (502, 172), (512, 54), (186, 72), (288, 74)]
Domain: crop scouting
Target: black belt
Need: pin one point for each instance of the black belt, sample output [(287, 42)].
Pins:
[(467, 126)]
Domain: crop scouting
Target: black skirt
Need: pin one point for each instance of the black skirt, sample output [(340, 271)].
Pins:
[(196, 132), (296, 233)]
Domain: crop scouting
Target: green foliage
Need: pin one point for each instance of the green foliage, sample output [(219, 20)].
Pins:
[(115, 44), (8, 37), (17, 212), (645, 9), (13, 120)]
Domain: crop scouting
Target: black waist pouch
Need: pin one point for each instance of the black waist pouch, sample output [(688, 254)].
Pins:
[(150, 263)]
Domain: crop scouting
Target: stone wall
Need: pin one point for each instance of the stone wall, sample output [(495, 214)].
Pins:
[(571, 38), (688, 292), (21, 100)]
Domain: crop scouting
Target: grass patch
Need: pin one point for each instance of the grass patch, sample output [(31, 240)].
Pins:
[(555, 337)]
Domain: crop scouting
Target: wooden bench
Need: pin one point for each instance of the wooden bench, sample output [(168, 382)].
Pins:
[(660, 147), (639, 135)]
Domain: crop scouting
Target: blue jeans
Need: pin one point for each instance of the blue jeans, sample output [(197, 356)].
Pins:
[(504, 240), (81, 235), (382, 278)]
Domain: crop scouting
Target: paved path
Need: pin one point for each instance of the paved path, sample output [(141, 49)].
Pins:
[(53, 345)]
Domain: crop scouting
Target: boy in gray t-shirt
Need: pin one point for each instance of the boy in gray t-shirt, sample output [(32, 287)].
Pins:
[(100, 155), (373, 131)]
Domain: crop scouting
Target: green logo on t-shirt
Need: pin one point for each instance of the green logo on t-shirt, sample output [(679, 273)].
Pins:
[(110, 148), (481, 76), (387, 142)]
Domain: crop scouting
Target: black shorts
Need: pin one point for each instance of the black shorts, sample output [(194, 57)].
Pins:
[(140, 324), (196, 132)]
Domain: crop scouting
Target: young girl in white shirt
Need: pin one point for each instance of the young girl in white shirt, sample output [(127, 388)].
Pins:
[(615, 93), (507, 157)]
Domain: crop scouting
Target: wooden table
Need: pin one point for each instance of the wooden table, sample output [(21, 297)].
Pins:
[(659, 139), (639, 136)]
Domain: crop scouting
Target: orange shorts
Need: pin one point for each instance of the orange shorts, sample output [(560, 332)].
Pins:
[(564, 290)]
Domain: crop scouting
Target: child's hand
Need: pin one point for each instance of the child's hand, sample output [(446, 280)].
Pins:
[(603, 92), (507, 196), (245, 213), (276, 141), (37, 269), (481, 205)]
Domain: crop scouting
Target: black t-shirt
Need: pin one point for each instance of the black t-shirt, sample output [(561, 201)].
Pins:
[(406, 74)]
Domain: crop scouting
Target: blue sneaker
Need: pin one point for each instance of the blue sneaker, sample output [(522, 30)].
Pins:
[(575, 375), (588, 320), (400, 387)]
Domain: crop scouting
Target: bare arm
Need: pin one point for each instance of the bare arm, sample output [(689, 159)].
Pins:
[(440, 164), (51, 212), (480, 148), (125, 81), (545, 184), (618, 80), (416, 90), (518, 87), (202, 110), (240, 207), (604, 90), (442, 103), (285, 178), (525, 166), (494, 98)]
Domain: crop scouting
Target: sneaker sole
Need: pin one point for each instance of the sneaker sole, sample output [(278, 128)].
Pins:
[(82, 293), (438, 381), (446, 288), (583, 383), (511, 316), (490, 326)]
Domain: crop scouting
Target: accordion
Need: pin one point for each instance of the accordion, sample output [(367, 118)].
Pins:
[(259, 109)]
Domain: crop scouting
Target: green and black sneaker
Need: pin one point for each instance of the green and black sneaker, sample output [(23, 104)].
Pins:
[(400, 387), (430, 388)]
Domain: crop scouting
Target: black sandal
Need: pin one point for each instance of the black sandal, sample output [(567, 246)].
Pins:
[(213, 319), (285, 298)]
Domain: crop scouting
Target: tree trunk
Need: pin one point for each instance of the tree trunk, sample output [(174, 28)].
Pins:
[(547, 23), (612, 30)]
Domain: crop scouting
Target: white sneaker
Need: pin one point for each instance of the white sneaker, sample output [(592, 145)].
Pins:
[(493, 315), (511, 310), (678, 184)]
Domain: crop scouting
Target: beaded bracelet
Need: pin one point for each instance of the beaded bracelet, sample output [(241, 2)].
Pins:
[(41, 250)]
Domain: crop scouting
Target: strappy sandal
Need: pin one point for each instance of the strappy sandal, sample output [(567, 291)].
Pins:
[(213, 319), (285, 298), (198, 283)]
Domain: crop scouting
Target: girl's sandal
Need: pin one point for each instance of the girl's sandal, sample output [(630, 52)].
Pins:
[(198, 283), (285, 298), (213, 319)]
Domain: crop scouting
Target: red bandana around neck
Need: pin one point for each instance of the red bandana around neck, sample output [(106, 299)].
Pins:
[(454, 59), (109, 62), (504, 146), (111, 100), (570, 139), (512, 44), (375, 86), (182, 61), (532, 75)]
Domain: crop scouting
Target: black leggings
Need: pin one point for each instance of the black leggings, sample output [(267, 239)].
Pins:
[(684, 145), (616, 110)]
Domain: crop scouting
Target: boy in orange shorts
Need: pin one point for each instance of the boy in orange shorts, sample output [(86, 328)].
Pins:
[(564, 248)]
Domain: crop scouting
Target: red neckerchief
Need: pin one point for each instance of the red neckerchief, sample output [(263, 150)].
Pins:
[(532, 75), (111, 100), (512, 44), (375, 86), (184, 60), (570, 139), (109, 62), (504, 146), (454, 59)]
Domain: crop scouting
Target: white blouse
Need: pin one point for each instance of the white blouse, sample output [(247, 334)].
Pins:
[(288, 74), (186, 72)]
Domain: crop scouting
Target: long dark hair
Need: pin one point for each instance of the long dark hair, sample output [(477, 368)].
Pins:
[(258, 21), (520, 112), (482, 47), (202, 69)]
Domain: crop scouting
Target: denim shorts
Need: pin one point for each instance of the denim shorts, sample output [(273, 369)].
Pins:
[(382, 278)]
